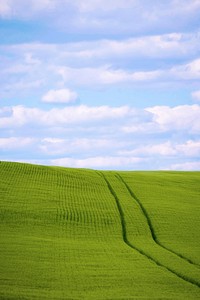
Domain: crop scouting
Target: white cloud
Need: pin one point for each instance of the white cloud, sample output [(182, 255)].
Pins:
[(103, 75), (154, 46), (34, 67), (12, 143), (156, 119), (19, 115), (5, 8), (107, 75), (187, 71), (196, 95), (143, 126), (98, 162), (25, 9), (149, 46), (39, 5), (22, 85), (190, 148), (186, 166), (183, 117), (104, 136), (95, 16), (53, 146), (103, 5), (31, 60), (164, 149), (29, 161), (60, 96)]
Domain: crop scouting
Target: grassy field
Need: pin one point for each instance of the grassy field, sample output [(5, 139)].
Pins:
[(84, 234)]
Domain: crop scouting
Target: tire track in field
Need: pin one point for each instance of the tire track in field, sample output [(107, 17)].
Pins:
[(146, 215), (154, 237), (126, 241)]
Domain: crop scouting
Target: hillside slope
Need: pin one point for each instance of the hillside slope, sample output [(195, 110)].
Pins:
[(82, 234)]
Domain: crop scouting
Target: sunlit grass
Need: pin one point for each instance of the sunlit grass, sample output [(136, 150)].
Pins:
[(82, 234)]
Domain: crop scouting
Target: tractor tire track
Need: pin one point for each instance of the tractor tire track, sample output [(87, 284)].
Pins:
[(154, 237), (128, 243)]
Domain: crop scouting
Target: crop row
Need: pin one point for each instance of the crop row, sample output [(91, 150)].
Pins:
[(138, 232), (71, 234)]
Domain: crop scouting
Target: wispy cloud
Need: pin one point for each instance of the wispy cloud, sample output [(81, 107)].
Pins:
[(11, 143), (164, 118), (196, 95), (101, 84), (21, 116), (99, 162), (98, 64), (131, 135), (60, 96), (129, 16), (186, 166), (54, 146), (189, 148)]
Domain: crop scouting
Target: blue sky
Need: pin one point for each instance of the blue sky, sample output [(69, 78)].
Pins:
[(101, 84)]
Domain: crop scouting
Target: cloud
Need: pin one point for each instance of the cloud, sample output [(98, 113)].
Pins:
[(5, 10), (189, 148), (103, 136), (108, 75), (103, 75), (36, 67), (186, 166), (91, 6), (182, 118), (29, 161), (164, 149), (174, 45), (60, 96), (11, 143), (55, 146), (145, 127), (21, 9), (18, 116), (187, 71), (23, 85), (196, 95), (103, 17), (153, 46), (160, 119), (29, 59), (124, 52), (98, 162)]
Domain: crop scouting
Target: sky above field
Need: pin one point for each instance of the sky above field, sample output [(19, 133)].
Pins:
[(101, 84)]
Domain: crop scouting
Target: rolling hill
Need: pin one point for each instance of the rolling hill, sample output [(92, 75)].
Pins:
[(86, 234)]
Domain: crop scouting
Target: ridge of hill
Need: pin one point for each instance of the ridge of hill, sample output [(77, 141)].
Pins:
[(86, 234)]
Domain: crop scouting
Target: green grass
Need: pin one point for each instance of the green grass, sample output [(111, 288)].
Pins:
[(82, 234)]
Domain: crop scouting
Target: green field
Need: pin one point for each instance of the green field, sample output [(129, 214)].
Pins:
[(85, 234)]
